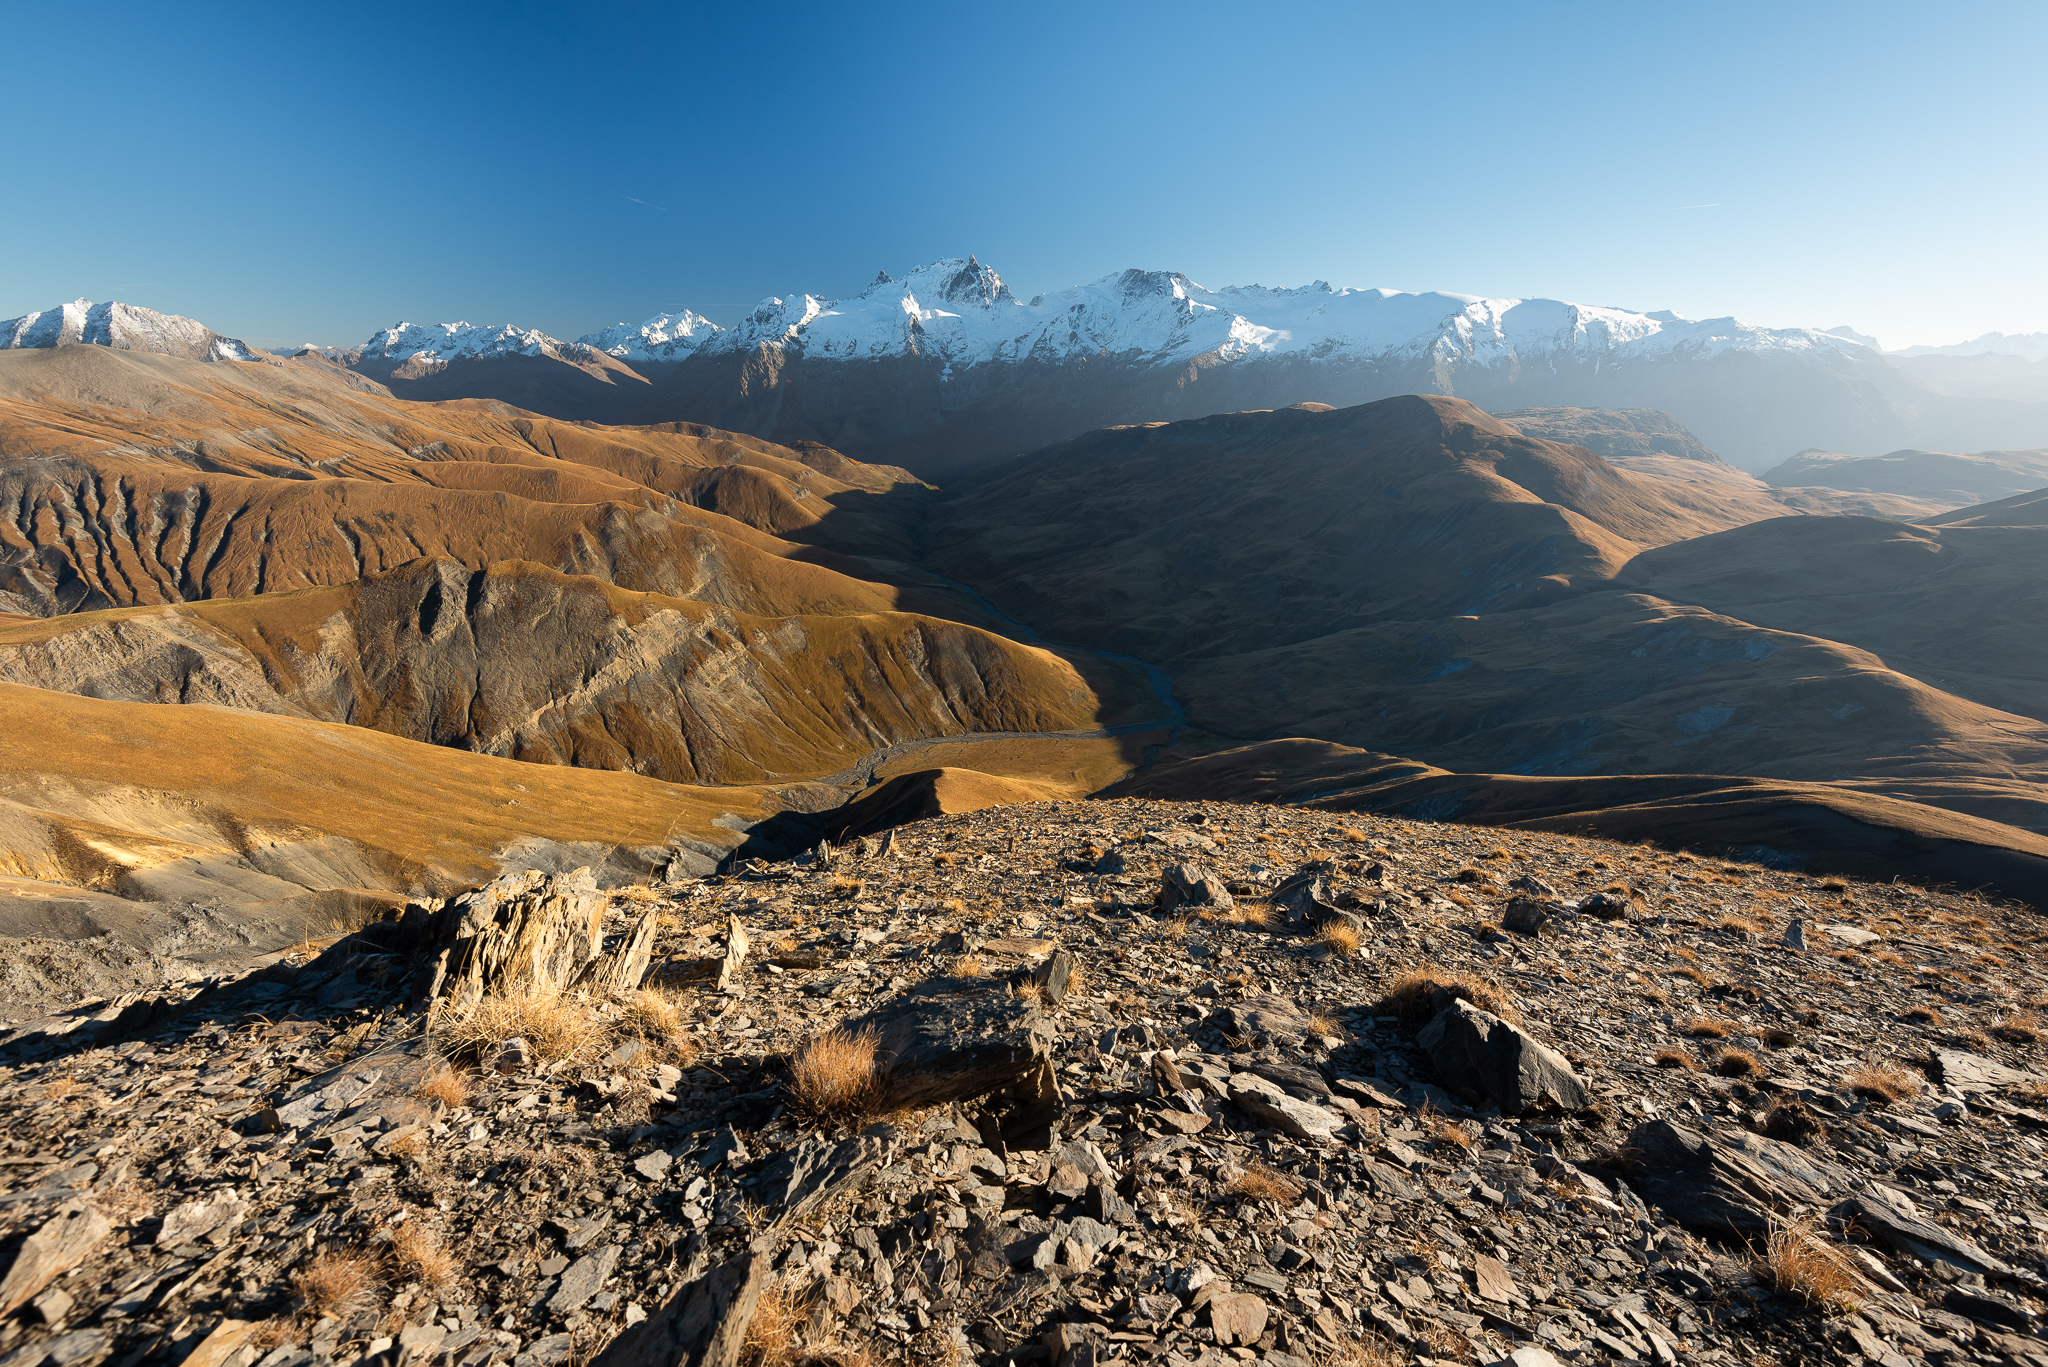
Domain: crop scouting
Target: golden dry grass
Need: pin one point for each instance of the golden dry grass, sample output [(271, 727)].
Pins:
[(1668, 1057), (445, 1085), (1258, 914), (1260, 1183), (1354, 835), (1882, 1082), (1340, 936), (336, 1284), (2017, 1027), (1322, 1023), (834, 1074), (1178, 927), (1703, 1027), (558, 1026), (657, 1018), (1730, 1062), (1800, 1264), (1372, 1351), (1924, 1015), (967, 966), (1415, 994), (418, 1253)]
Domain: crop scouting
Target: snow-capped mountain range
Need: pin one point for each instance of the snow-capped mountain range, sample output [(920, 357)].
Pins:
[(961, 313), (124, 327)]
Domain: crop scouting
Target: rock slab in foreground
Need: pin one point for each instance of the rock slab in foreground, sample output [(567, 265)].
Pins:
[(703, 1325), (952, 1039), (1713, 1185), (1477, 1049)]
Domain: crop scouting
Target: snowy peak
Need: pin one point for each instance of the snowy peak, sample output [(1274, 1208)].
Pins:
[(960, 312), (438, 344), (123, 327)]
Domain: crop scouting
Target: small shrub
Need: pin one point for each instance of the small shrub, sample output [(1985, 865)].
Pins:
[(557, 1025), (1792, 1121), (1882, 1083), (2020, 1027), (834, 1073), (1420, 993), (419, 1253), (657, 1019), (336, 1284), (1736, 1063), (1668, 1057), (1340, 936), (444, 1085), (1260, 1183), (1801, 1265)]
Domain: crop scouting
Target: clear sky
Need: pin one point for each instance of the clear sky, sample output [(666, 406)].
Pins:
[(313, 172)]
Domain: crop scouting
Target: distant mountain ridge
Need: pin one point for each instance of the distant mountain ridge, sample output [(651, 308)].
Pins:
[(124, 327), (946, 371)]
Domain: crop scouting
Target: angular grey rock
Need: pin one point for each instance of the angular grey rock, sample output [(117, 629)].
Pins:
[(1477, 1049), (1189, 885), (1237, 1318), (63, 1242), (1892, 1219), (951, 1039), (531, 930), (1268, 1104), (1795, 936), (1529, 915), (815, 1171), (653, 1165), (1264, 1017), (703, 1325), (1975, 1073), (1610, 907), (584, 1279), (196, 1219), (1052, 976), (1746, 1183)]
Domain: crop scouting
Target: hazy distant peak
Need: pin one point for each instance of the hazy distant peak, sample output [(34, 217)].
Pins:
[(2028, 346), (1851, 334), (123, 327)]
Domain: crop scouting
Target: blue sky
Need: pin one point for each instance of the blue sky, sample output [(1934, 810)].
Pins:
[(314, 172)]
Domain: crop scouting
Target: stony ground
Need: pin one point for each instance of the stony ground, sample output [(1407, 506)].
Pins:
[(1257, 1159)]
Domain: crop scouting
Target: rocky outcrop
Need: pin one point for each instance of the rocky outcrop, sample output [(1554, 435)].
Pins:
[(1500, 1060)]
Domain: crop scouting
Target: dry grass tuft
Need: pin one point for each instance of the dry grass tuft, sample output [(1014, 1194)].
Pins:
[(1453, 895), (2019, 1027), (445, 1085), (1470, 874), (1668, 1057), (1882, 1083), (1732, 1062), (834, 1073), (1258, 914), (967, 966), (658, 1019), (1703, 1027), (1692, 975), (1779, 1038), (1178, 927), (1341, 936), (557, 1025), (336, 1284), (1373, 1351), (1420, 993), (1925, 1015), (418, 1251), (1800, 1264), (775, 1334), (945, 859), (1354, 835), (1261, 1183), (1321, 1023)]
